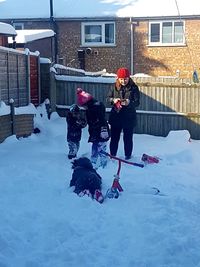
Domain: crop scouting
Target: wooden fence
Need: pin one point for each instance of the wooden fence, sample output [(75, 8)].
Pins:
[(166, 104), (19, 77)]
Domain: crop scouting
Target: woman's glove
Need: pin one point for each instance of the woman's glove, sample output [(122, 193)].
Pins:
[(104, 133), (125, 102), (116, 100), (117, 104)]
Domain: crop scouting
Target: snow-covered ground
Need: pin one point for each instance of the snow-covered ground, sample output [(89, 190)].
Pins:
[(44, 224)]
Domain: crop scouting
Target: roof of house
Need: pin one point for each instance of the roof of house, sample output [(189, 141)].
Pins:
[(7, 29), (12, 9), (26, 36)]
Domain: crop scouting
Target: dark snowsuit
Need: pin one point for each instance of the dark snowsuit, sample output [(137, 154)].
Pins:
[(74, 127), (95, 115), (125, 118), (74, 131), (84, 176)]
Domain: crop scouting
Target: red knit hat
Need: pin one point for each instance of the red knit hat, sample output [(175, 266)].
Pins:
[(123, 73), (82, 97)]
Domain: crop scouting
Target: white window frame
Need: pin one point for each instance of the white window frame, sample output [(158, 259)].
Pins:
[(18, 24), (160, 43), (102, 24)]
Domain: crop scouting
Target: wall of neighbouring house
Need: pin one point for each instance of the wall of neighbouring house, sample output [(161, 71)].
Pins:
[(69, 42), (110, 58), (4, 41), (165, 61), (43, 46), (155, 61)]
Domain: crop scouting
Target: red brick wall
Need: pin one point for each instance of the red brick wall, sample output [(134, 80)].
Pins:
[(3, 41), (155, 61), (165, 61), (110, 58)]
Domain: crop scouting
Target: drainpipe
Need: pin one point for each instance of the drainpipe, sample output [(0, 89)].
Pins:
[(132, 59), (55, 29)]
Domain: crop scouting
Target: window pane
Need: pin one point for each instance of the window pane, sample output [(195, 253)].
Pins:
[(109, 33), (178, 32), (18, 26), (93, 33), (167, 32), (155, 32)]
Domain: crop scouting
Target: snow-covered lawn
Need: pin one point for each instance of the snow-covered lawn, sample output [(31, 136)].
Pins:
[(44, 224)]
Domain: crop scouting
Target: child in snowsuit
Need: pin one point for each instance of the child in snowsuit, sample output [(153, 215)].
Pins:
[(74, 130), (97, 126), (85, 179), (124, 98)]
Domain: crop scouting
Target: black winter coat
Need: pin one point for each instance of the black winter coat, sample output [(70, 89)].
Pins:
[(95, 115), (84, 176), (126, 117), (74, 127)]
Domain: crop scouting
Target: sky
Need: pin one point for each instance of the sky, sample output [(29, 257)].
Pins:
[(45, 224), (97, 8)]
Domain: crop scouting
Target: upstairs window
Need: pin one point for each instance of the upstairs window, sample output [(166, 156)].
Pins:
[(166, 33), (18, 26), (98, 34)]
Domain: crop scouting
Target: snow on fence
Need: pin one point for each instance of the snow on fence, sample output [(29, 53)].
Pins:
[(166, 103)]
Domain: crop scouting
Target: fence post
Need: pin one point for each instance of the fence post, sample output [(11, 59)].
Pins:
[(12, 115), (28, 75), (48, 107), (53, 91)]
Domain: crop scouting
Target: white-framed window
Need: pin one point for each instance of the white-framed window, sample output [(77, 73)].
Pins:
[(166, 33), (98, 33), (18, 26)]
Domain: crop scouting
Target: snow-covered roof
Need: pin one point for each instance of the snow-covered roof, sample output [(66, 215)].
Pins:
[(7, 29), (97, 8), (25, 36)]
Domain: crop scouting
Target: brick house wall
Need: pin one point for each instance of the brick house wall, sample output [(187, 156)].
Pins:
[(152, 60), (110, 58), (165, 61), (3, 41)]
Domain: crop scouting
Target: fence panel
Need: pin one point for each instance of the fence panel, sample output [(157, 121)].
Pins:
[(13, 77), (165, 104)]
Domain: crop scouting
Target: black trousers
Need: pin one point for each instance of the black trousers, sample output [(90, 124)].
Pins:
[(127, 138)]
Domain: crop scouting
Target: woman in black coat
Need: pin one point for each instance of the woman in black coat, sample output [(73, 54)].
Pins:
[(124, 98)]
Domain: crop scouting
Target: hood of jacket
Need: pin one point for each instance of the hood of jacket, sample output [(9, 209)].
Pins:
[(82, 162)]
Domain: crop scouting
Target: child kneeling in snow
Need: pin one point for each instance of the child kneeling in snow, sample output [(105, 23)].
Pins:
[(86, 180)]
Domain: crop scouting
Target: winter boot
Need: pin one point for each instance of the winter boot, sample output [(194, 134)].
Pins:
[(98, 196)]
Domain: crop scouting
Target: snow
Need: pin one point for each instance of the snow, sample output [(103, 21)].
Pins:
[(5, 109), (26, 36), (44, 60), (44, 224), (7, 29), (97, 8)]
